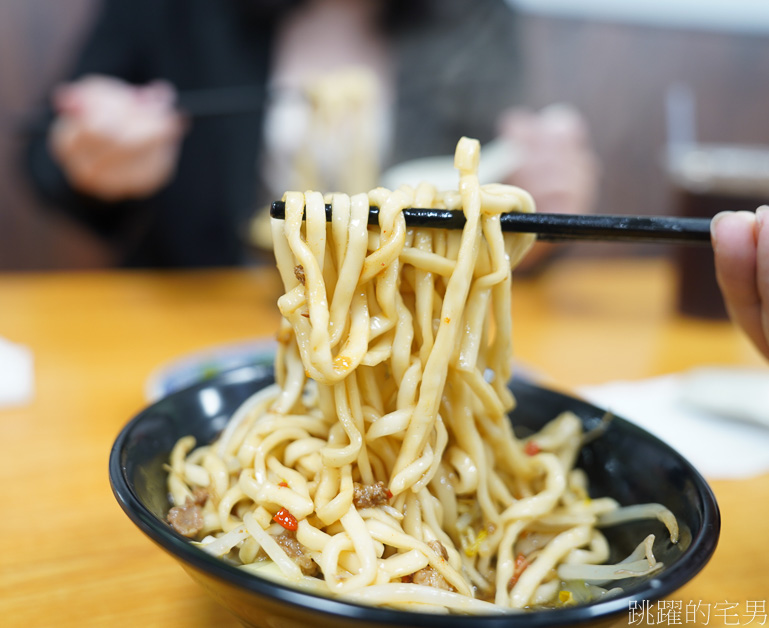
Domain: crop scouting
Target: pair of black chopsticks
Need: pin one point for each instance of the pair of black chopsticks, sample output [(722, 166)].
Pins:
[(561, 227)]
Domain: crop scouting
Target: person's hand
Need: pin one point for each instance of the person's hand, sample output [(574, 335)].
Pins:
[(116, 141), (741, 250), (559, 168)]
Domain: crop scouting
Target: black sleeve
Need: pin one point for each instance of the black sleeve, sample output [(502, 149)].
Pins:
[(118, 42), (116, 46)]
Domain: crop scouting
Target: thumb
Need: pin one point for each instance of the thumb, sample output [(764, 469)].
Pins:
[(66, 99)]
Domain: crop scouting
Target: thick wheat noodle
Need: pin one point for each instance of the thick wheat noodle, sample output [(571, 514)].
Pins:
[(393, 362)]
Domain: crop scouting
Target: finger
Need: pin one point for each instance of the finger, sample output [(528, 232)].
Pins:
[(143, 149), (734, 236), (75, 145), (93, 116), (93, 136), (153, 128), (136, 168), (66, 99), (557, 126), (562, 122), (75, 150), (559, 185), (159, 93), (115, 166), (133, 179), (762, 265), (519, 125)]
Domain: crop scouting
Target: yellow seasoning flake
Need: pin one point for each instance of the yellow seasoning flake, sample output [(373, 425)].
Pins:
[(565, 597), (342, 362), (473, 542)]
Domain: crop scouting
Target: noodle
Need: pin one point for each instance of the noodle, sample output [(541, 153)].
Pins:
[(381, 466), (328, 133)]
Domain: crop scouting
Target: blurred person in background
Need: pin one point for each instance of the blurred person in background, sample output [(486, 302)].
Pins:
[(165, 189)]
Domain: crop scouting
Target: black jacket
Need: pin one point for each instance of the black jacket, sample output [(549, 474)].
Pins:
[(458, 69)]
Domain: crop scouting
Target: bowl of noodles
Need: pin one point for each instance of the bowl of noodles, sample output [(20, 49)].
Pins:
[(387, 468), (622, 462)]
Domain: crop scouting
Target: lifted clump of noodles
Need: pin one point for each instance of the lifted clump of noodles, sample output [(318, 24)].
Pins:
[(381, 466)]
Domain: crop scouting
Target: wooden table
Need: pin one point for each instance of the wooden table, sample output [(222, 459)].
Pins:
[(70, 557)]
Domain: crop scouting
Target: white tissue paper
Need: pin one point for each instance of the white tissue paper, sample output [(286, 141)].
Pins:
[(17, 374), (716, 417)]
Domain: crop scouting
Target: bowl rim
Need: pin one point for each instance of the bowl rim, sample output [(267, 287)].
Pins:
[(699, 552)]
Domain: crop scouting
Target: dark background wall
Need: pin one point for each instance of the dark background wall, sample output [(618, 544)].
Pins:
[(616, 74), (619, 74)]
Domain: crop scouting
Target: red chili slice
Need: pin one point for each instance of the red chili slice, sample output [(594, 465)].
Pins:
[(521, 562), (531, 448), (286, 519)]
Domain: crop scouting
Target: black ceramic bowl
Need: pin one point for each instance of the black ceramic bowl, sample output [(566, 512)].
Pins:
[(626, 463)]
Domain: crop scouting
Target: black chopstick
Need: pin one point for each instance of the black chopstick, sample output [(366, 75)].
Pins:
[(560, 227), (193, 103), (221, 101), (233, 100)]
